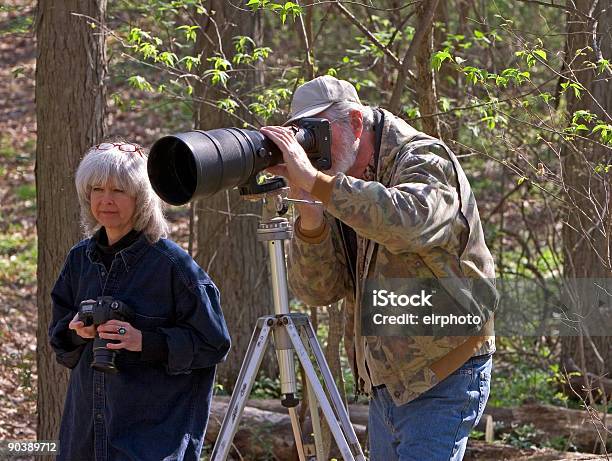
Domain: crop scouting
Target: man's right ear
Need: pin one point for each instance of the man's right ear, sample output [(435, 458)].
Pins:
[(356, 121)]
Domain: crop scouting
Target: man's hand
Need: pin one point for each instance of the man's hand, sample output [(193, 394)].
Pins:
[(129, 338), (299, 173), (297, 169), (80, 328)]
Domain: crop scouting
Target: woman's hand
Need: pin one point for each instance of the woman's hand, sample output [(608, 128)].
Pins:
[(80, 328), (129, 338)]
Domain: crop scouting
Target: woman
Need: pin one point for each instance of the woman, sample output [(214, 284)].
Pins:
[(151, 401)]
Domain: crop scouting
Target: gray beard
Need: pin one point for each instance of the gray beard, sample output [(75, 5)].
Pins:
[(343, 162)]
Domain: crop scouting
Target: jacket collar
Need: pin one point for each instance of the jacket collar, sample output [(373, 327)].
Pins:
[(395, 134), (129, 255)]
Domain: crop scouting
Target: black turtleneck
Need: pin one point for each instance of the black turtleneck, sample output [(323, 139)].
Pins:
[(154, 345), (108, 252)]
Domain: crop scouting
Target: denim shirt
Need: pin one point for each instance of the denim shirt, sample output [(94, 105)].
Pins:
[(149, 410)]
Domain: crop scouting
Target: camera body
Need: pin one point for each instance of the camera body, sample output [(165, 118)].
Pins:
[(99, 311), (314, 135)]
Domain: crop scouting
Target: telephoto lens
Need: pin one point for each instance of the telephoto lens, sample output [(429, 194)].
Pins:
[(198, 164)]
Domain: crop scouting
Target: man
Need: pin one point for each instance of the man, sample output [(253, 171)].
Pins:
[(396, 204)]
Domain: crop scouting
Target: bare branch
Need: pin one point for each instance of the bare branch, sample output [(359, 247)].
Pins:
[(310, 68), (554, 5), (394, 60)]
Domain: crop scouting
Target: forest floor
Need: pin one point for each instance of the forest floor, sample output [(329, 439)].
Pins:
[(18, 242), (17, 225)]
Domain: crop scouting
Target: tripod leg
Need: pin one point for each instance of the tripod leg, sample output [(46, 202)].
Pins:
[(328, 412), (297, 433), (334, 395), (315, 419), (242, 389)]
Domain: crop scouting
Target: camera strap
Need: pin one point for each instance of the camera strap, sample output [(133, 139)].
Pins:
[(379, 123), (347, 234)]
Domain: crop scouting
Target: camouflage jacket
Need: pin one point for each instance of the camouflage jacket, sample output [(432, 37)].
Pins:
[(419, 219)]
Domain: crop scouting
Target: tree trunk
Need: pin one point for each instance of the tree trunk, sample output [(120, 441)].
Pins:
[(70, 109), (587, 244), (227, 246), (425, 84)]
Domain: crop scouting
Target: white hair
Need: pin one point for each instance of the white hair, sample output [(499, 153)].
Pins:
[(341, 111), (127, 170)]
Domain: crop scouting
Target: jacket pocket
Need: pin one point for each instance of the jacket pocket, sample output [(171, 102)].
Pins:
[(148, 322)]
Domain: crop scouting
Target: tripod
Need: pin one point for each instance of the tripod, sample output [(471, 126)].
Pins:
[(292, 333)]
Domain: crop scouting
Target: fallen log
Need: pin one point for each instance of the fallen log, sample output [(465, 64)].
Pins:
[(478, 450), (576, 426), (265, 430), (262, 433), (357, 412)]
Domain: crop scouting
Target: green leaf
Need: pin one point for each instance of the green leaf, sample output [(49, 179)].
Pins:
[(583, 115), (439, 57), (217, 76), (531, 61), (261, 53), (256, 4), (148, 50), (18, 71), (521, 180), (227, 104), (445, 104), (117, 100), (501, 81), (191, 62), (140, 83), (412, 112), (242, 43), (605, 132), (602, 65), (481, 37), (546, 97), (474, 74), (540, 53), (168, 58), (220, 63), (577, 87), (239, 58), (190, 32), (581, 127)]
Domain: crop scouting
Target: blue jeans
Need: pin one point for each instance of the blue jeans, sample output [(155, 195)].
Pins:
[(434, 426)]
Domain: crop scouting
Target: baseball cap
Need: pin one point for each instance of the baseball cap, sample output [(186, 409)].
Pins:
[(319, 94)]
